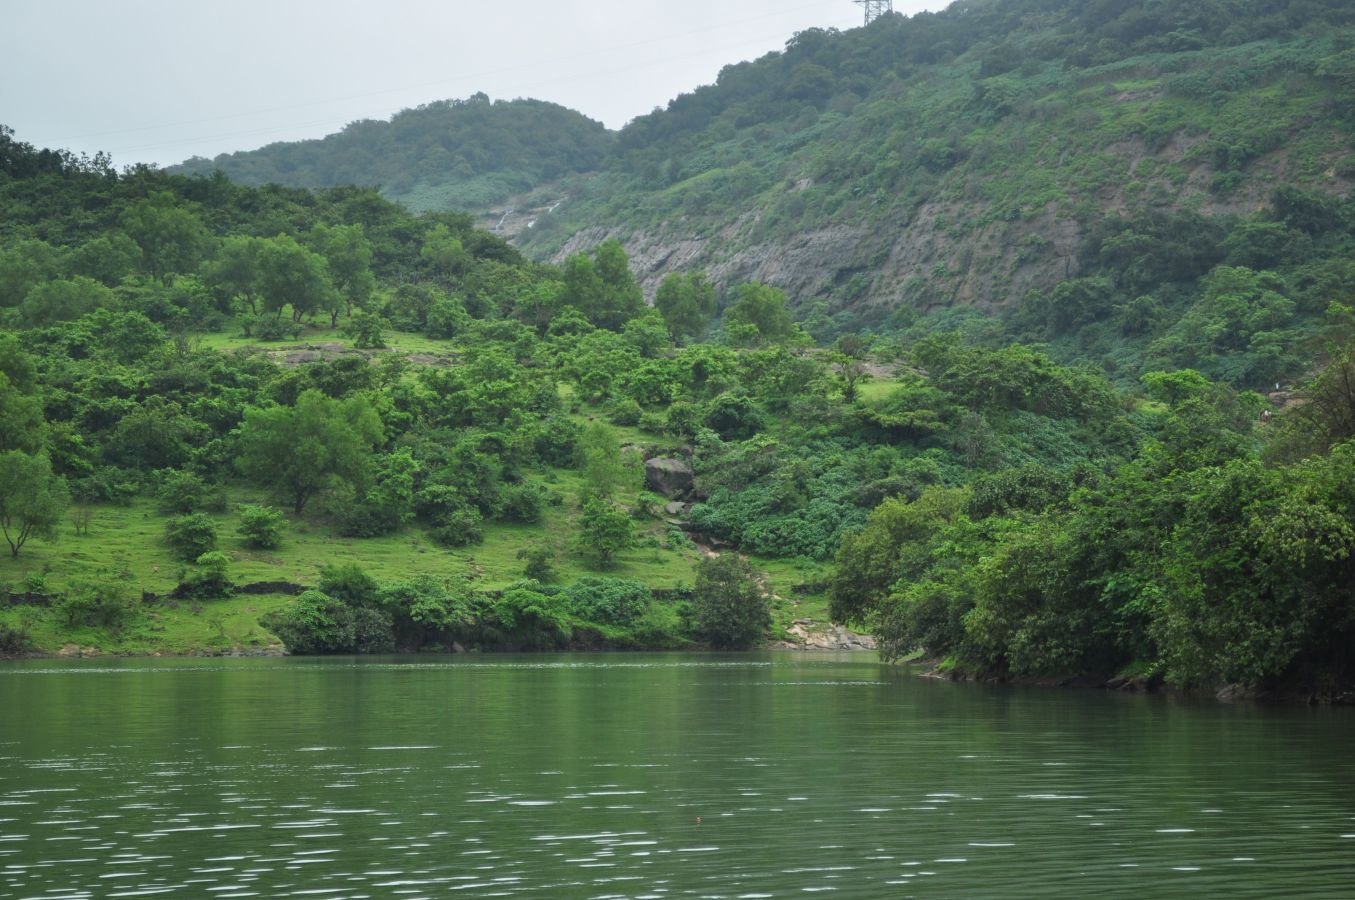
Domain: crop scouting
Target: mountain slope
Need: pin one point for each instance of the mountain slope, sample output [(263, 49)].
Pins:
[(966, 157), (449, 154)]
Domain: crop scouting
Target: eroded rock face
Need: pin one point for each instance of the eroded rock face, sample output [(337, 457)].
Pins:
[(671, 478), (807, 636)]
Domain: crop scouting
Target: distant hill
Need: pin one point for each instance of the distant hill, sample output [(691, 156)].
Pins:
[(452, 154)]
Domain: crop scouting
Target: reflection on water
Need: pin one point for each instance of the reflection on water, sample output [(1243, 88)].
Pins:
[(772, 775)]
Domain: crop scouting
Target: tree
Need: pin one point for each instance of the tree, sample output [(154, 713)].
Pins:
[(235, 271), (539, 563), (108, 259), (602, 287), (172, 238), (365, 330), (62, 301), (686, 303), (291, 274), (349, 255), (21, 422), (300, 449), (445, 253), (606, 469), (604, 531), (729, 608), (32, 499), (763, 309)]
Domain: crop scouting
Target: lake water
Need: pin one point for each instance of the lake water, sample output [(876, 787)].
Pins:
[(771, 775)]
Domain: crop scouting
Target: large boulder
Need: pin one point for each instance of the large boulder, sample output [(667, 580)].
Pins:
[(671, 478)]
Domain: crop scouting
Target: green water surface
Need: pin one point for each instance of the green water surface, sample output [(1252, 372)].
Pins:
[(772, 775)]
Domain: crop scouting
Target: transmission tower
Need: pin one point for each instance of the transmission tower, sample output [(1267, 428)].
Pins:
[(875, 8)]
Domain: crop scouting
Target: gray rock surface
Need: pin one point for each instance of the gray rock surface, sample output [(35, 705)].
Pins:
[(671, 478)]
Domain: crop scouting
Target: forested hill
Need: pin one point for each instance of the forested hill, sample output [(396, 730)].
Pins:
[(210, 394), (960, 158), (970, 156), (453, 154)]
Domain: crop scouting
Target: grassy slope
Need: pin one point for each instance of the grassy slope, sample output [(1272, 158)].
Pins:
[(132, 536)]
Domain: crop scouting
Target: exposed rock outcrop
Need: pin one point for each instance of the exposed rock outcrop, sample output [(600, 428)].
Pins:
[(805, 635), (671, 478)]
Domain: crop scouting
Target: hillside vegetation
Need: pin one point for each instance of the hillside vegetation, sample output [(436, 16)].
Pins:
[(234, 416), (1078, 168), (453, 154)]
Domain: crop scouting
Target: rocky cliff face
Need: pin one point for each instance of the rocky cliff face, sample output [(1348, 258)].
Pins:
[(957, 250)]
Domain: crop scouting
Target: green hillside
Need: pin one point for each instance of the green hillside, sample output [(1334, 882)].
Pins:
[(969, 157), (1056, 448), (453, 154)]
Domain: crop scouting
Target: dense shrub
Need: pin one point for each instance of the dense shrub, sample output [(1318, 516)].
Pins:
[(210, 580), (522, 502), (458, 527), (608, 601), (272, 328), (539, 563), (261, 527), (180, 493), (104, 601), (317, 624), (525, 618), (729, 608), (190, 536)]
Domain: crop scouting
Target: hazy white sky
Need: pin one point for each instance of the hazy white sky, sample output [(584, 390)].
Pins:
[(161, 80)]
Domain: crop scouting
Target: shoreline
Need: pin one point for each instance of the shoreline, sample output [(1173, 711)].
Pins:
[(1121, 684)]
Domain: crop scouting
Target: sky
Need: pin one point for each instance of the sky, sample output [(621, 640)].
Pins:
[(158, 81)]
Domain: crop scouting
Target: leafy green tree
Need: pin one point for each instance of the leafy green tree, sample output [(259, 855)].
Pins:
[(894, 543), (32, 499), (606, 469), (156, 434), (687, 304), (317, 624), (604, 531), (23, 266), (289, 274), (349, 255), (647, 334), (729, 607), (301, 449), (209, 579), (365, 328), (609, 601), (63, 301), (763, 310), (386, 503), (528, 619), (602, 287), (171, 236), (235, 271), (428, 610), (349, 583), (21, 423), (181, 492), (445, 253), (108, 258), (103, 600)]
